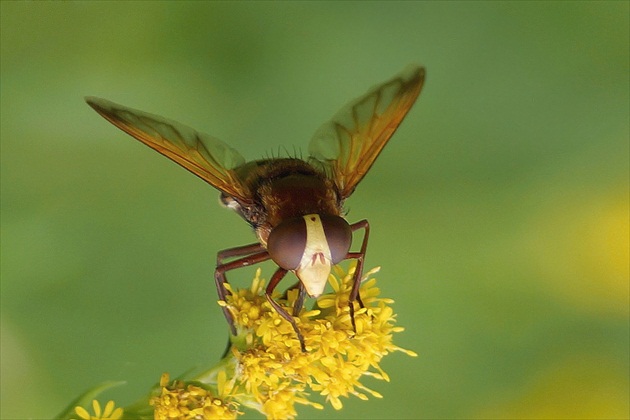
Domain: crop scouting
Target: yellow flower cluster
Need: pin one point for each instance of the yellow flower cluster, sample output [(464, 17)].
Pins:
[(266, 369), (180, 400), (269, 366)]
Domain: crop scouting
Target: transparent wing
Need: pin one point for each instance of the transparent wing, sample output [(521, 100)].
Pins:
[(208, 158), (347, 146)]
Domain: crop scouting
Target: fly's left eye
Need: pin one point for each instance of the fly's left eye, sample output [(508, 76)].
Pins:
[(338, 236), (287, 242)]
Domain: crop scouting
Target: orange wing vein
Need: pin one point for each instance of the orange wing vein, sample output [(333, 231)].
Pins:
[(347, 146), (203, 155)]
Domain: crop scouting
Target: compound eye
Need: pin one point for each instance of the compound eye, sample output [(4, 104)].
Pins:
[(286, 243), (338, 236)]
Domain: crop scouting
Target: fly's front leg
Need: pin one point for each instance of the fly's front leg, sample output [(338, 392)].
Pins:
[(275, 279), (299, 302), (358, 271), (250, 254)]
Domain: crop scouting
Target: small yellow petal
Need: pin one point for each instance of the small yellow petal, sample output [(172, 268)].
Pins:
[(82, 412), (109, 408), (97, 408), (117, 414)]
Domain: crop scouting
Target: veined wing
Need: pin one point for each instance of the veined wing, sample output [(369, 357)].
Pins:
[(347, 146), (205, 156)]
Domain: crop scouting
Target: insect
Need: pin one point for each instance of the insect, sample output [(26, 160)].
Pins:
[(294, 206)]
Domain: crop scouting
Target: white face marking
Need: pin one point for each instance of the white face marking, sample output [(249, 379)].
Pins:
[(315, 265)]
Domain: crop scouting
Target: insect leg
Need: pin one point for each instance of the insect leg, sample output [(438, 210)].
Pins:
[(251, 254), (275, 279), (299, 302), (238, 251), (358, 271)]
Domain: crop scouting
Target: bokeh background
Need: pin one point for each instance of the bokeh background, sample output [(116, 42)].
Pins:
[(499, 209)]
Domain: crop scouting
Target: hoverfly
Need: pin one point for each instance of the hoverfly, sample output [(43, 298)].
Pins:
[(295, 206)]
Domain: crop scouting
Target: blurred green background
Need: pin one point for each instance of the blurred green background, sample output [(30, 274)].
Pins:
[(499, 210)]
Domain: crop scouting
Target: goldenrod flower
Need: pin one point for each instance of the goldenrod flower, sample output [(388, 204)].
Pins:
[(110, 413), (267, 364), (265, 368), (180, 400)]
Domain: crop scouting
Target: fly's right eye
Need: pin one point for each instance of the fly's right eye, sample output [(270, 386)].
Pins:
[(338, 237), (286, 243)]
